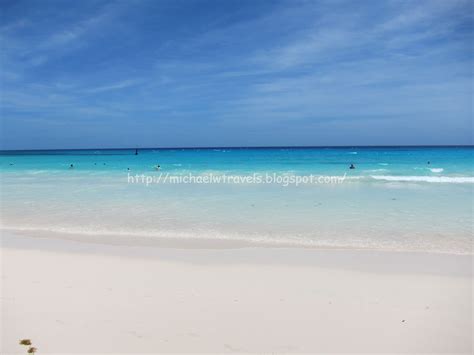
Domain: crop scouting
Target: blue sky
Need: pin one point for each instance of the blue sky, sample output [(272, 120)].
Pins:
[(235, 73)]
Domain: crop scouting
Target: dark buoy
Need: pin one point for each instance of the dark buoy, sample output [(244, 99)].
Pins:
[(352, 166)]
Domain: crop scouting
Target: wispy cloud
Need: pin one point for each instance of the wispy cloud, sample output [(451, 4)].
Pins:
[(115, 86), (232, 68)]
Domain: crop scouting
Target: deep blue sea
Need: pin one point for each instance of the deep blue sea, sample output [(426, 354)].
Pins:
[(396, 198)]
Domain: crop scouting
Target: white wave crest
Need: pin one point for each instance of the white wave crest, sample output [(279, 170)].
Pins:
[(437, 170), (436, 179), (375, 170)]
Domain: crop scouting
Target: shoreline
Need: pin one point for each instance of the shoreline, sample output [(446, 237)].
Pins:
[(142, 241), (96, 298), (362, 260)]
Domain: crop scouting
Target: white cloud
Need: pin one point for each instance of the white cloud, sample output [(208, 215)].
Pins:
[(115, 86)]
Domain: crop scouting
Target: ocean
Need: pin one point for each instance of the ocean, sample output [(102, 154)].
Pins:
[(396, 198)]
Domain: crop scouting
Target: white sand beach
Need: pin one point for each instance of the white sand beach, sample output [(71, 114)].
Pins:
[(71, 297), (245, 177)]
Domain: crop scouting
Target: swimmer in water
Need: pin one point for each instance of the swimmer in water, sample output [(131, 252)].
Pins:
[(71, 166), (157, 167), (352, 166)]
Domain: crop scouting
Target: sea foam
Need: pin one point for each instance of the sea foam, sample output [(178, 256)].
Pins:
[(435, 179)]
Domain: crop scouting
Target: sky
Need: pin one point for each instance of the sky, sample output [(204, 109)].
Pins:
[(110, 74)]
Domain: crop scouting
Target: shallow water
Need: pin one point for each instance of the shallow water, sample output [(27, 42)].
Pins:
[(393, 200)]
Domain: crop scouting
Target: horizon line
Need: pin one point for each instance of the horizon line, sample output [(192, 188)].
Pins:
[(250, 147)]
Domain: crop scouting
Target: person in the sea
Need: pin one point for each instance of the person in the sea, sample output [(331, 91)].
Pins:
[(71, 166), (157, 167), (352, 166), (429, 162)]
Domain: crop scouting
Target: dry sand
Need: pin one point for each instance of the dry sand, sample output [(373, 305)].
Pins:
[(71, 297)]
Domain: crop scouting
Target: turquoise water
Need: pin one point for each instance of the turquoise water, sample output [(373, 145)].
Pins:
[(415, 199)]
